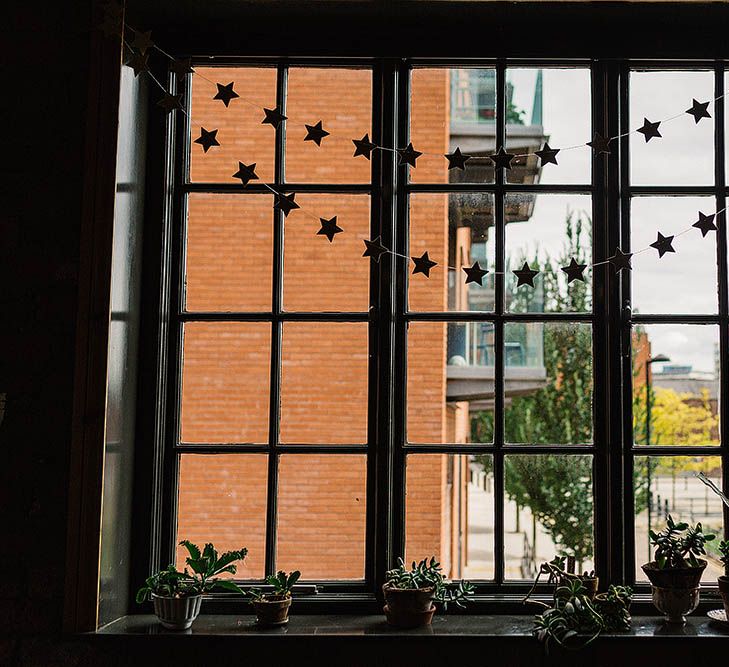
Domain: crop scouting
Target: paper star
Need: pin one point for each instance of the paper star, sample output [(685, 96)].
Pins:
[(423, 264), (363, 146), (315, 133), (329, 228), (699, 110), (207, 139), (246, 173), (285, 203), (649, 130), (408, 155), (225, 93), (705, 223), (273, 117), (620, 260), (139, 62), (547, 155), (502, 159), (525, 275), (142, 41), (170, 102), (599, 144), (475, 273), (374, 249), (457, 160), (180, 67), (574, 271), (663, 245)]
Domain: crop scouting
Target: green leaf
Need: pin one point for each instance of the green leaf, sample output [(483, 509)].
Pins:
[(230, 557), (293, 578), (228, 586)]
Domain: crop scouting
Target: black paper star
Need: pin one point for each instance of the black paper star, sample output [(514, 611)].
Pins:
[(315, 133), (329, 228), (475, 274), (525, 275), (139, 62), (225, 93), (285, 203), (621, 260), (273, 117), (547, 155), (170, 102), (699, 110), (247, 173), (142, 41), (423, 264), (207, 139), (363, 146), (374, 249), (502, 159), (180, 67), (408, 155), (574, 271), (705, 223), (649, 130), (663, 245), (599, 144), (457, 160)]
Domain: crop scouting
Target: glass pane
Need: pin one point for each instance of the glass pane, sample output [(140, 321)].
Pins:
[(654, 278), (450, 388), (548, 383), (316, 94), (222, 499), (324, 383), (675, 490), (449, 505), (453, 109), (456, 230), (322, 510), (240, 133), (548, 511), (317, 277), (684, 154), (229, 251), (676, 382), (225, 382), (553, 106), (547, 231)]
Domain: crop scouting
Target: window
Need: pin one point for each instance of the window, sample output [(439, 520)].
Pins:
[(332, 413)]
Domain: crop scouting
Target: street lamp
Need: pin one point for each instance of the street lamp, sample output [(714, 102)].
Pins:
[(659, 358)]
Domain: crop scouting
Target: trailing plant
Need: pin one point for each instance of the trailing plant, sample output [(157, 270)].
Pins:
[(429, 574), (281, 583), (679, 544)]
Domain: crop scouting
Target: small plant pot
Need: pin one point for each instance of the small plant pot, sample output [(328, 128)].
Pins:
[(591, 585), (724, 590), (177, 613), (272, 611), (408, 608), (675, 590)]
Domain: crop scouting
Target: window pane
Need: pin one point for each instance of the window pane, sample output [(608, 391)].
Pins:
[(324, 276), (548, 383), (684, 154), (548, 511), (229, 251), (676, 374), (313, 95), (547, 231), (656, 288), (240, 132), (450, 382), (456, 230), (324, 383), (322, 508), (222, 499), (450, 513), (675, 490), (548, 105), (225, 382)]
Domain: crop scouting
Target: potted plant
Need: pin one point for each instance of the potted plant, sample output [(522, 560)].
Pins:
[(177, 596), (724, 579), (676, 569), (410, 593), (272, 609)]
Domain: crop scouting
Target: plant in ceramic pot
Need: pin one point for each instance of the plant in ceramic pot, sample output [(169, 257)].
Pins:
[(724, 579), (177, 596), (410, 593), (675, 571), (272, 609)]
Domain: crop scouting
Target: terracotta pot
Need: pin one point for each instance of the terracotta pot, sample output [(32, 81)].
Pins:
[(408, 608), (724, 590), (177, 613), (272, 611), (591, 585), (675, 590)]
